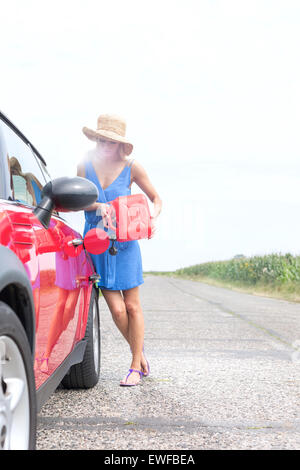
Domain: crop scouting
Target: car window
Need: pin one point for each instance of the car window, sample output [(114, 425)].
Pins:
[(26, 177), (43, 167)]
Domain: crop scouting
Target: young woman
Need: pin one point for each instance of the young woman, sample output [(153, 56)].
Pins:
[(108, 166)]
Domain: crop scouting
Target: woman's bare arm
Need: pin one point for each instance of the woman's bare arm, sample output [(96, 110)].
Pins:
[(141, 178)]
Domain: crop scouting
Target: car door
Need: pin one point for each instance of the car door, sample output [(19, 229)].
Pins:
[(59, 281)]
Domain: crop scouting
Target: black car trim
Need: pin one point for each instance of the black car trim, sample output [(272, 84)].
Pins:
[(22, 136), (5, 189), (51, 384), (13, 275)]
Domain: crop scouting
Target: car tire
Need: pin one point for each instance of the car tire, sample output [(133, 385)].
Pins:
[(86, 373), (18, 410)]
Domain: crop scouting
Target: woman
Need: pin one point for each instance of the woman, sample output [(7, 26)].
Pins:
[(109, 167)]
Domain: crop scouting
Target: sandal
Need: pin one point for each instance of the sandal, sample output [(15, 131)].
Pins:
[(125, 384)]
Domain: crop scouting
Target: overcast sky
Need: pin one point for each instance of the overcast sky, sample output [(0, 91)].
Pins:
[(209, 90)]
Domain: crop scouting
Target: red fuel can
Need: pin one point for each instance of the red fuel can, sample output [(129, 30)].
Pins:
[(130, 218)]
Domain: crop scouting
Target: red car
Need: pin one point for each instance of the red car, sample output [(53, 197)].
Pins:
[(49, 317)]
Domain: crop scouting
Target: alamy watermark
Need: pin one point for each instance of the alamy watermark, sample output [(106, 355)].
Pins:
[(178, 221)]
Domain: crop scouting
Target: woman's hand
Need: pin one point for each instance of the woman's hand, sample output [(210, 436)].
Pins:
[(103, 210), (153, 225)]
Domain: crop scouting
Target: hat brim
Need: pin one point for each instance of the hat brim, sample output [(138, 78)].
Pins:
[(109, 135)]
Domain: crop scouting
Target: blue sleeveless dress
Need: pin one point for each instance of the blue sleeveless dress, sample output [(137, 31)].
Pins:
[(123, 270)]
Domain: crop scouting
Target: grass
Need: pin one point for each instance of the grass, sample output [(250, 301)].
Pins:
[(274, 275)]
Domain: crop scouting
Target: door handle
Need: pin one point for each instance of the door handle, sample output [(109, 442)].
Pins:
[(75, 242), (72, 246)]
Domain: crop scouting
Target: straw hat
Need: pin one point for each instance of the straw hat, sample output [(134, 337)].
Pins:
[(110, 127)]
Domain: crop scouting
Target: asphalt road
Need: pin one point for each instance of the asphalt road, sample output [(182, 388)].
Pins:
[(224, 375)]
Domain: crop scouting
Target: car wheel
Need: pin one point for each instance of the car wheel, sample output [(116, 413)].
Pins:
[(86, 373), (17, 385)]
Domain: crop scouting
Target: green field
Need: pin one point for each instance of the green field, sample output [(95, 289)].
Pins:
[(275, 275)]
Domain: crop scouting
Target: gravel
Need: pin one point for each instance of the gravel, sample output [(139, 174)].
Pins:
[(224, 375)]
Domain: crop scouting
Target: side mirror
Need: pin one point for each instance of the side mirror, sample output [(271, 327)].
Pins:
[(65, 194)]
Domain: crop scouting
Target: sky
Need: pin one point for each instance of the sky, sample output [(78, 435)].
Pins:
[(210, 93)]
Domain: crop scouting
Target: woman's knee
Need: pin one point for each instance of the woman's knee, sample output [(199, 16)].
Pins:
[(118, 312), (133, 308), (115, 303)]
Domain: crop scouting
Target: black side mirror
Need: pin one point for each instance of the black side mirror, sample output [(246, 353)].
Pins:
[(65, 194)]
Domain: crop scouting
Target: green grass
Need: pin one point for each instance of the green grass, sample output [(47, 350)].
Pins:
[(274, 275)]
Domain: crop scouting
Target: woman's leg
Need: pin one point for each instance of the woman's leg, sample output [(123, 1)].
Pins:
[(128, 316), (135, 325), (70, 306), (56, 327), (117, 308)]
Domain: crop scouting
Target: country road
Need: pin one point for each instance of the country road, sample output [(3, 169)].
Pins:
[(225, 374)]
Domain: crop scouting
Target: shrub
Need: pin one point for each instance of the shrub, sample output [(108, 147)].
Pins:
[(268, 269)]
